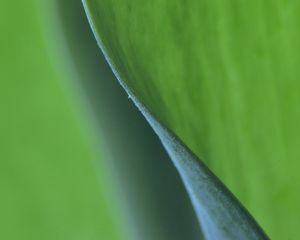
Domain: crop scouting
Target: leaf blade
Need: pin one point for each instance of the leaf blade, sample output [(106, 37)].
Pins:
[(186, 164)]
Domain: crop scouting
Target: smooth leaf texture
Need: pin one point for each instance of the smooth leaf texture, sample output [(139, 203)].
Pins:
[(223, 77)]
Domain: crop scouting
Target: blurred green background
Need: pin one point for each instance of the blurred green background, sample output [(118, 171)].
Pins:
[(77, 159)]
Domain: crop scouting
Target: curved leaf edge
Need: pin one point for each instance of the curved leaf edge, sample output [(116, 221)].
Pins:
[(219, 212)]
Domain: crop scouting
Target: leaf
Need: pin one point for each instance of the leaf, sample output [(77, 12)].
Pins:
[(222, 76)]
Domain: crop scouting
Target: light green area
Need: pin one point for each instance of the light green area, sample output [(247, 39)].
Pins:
[(224, 77), (50, 188)]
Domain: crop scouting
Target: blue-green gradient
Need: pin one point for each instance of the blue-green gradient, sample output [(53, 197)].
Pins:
[(49, 188)]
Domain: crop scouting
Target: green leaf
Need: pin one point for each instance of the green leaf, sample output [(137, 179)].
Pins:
[(222, 77)]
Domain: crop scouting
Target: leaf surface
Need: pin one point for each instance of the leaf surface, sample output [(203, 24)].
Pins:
[(223, 77)]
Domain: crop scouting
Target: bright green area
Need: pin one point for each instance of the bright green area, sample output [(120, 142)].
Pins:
[(49, 185), (224, 77)]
